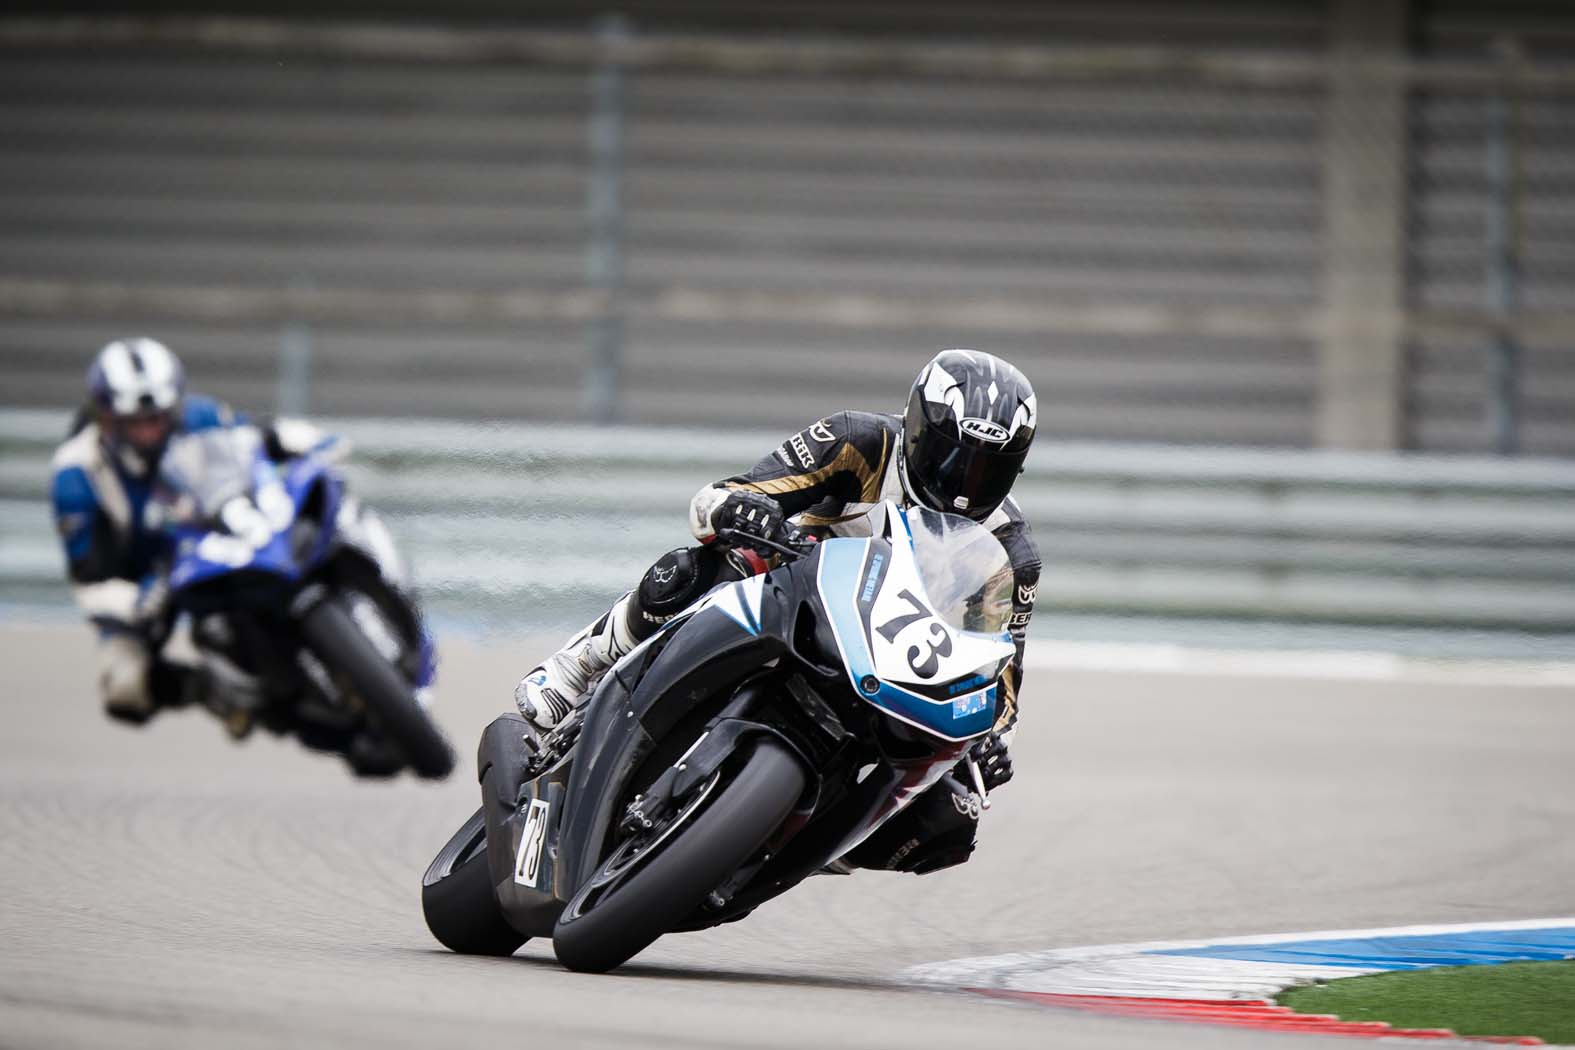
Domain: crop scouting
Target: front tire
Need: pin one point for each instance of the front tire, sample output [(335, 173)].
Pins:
[(457, 898), (332, 634), (671, 885)]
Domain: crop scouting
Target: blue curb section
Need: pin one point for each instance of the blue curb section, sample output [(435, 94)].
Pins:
[(1403, 953)]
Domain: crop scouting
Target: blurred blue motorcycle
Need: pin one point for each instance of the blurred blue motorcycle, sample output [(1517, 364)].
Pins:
[(298, 603)]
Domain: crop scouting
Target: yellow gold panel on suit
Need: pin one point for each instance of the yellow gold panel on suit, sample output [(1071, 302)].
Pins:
[(820, 520), (848, 459), (1008, 703), (872, 478)]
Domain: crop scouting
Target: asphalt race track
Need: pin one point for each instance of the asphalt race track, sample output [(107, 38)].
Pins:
[(163, 887)]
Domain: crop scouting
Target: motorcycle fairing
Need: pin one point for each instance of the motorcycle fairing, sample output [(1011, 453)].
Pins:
[(202, 554), (524, 858), (309, 475), (733, 631), (946, 660), (739, 602), (862, 585)]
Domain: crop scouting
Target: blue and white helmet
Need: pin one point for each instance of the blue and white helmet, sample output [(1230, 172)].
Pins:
[(133, 377), (132, 380)]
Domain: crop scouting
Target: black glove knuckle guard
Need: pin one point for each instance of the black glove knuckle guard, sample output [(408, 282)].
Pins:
[(995, 764), (750, 512)]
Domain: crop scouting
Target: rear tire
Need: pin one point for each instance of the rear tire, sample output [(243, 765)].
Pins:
[(332, 634), (671, 885), (457, 897)]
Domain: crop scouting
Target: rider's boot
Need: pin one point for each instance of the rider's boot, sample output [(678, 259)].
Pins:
[(369, 755), (233, 696), (563, 682), (174, 684)]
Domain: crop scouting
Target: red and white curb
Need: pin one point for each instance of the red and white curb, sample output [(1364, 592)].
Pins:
[(1233, 981)]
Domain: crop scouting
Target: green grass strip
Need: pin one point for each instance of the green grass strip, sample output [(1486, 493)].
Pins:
[(1536, 998)]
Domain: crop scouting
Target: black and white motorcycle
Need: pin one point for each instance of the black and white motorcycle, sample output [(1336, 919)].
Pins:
[(758, 737)]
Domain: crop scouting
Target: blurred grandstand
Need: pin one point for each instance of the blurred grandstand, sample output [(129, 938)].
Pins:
[(1343, 226)]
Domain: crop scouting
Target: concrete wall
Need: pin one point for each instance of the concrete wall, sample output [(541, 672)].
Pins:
[(1163, 212)]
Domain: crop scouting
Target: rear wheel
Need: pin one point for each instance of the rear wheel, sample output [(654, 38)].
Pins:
[(457, 897), (332, 634), (595, 935)]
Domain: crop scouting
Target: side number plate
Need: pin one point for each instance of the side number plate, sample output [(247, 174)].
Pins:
[(527, 865)]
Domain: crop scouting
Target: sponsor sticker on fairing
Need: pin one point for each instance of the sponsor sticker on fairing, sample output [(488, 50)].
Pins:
[(964, 706), (872, 579)]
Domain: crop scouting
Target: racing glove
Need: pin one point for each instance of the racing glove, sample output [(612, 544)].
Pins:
[(995, 763), (743, 511), (285, 437)]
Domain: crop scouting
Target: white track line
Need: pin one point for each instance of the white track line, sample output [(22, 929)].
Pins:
[(1334, 665)]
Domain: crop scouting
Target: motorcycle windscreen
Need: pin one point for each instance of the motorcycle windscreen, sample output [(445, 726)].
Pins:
[(202, 471), (204, 479), (967, 574)]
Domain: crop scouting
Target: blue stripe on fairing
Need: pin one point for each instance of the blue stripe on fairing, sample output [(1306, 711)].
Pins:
[(742, 621), (1404, 953), (840, 562)]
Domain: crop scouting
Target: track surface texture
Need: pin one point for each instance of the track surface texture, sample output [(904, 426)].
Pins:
[(164, 887)]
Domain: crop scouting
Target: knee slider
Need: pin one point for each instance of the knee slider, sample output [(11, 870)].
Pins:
[(675, 582)]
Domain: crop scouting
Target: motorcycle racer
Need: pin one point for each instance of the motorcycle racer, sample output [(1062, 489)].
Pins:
[(958, 448), (103, 477)]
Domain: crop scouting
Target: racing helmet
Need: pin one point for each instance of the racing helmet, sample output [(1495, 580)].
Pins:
[(135, 387), (965, 434)]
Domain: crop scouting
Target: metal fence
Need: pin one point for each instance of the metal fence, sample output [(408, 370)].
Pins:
[(1280, 224), (526, 525)]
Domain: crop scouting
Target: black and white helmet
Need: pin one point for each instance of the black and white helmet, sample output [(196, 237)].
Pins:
[(970, 420), (135, 387)]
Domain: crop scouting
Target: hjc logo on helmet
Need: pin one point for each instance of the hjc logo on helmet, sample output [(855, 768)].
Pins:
[(985, 430)]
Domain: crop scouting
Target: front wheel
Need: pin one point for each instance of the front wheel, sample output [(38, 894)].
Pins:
[(457, 898), (333, 635), (716, 842)]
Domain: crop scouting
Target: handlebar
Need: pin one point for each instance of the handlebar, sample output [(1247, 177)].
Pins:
[(791, 551)]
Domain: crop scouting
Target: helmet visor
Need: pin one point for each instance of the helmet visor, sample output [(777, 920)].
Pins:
[(136, 441), (146, 431), (954, 478)]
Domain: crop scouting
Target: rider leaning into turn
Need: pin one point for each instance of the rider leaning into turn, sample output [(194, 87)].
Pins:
[(957, 449), (104, 474)]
